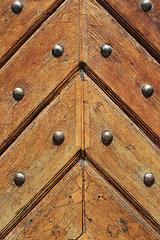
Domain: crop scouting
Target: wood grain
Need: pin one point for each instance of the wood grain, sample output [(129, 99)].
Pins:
[(59, 215), (127, 69), (34, 69), (35, 155), (128, 158), (108, 215), (143, 26), (16, 28)]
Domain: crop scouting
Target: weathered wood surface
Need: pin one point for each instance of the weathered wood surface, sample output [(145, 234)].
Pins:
[(37, 71), (130, 155), (36, 156), (144, 26), (59, 215), (108, 215), (16, 28), (126, 70), (58, 98)]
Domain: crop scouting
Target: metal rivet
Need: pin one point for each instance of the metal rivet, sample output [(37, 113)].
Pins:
[(58, 137), (18, 93), (147, 90), (17, 7), (106, 50), (149, 179), (146, 5), (106, 137), (19, 179), (57, 50)]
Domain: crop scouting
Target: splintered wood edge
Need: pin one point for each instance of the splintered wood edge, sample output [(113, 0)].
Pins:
[(30, 31), (40, 195), (27, 120), (122, 105), (123, 192), (131, 29)]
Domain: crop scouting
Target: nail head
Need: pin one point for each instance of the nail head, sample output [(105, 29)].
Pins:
[(58, 137), (17, 7), (19, 179), (149, 179), (18, 93), (57, 50), (107, 137), (146, 5), (106, 50), (147, 90)]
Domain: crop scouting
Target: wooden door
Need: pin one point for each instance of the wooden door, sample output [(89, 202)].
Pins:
[(79, 125)]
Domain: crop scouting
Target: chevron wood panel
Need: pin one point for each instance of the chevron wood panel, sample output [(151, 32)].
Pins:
[(80, 189)]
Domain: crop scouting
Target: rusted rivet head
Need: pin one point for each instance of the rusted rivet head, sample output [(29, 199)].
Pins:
[(57, 50), (149, 179), (106, 137), (58, 137), (106, 50), (19, 179), (17, 7), (146, 5), (147, 90), (18, 93)]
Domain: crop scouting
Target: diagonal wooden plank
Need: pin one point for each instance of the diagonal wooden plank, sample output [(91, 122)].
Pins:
[(130, 155), (36, 155), (59, 214), (34, 69)]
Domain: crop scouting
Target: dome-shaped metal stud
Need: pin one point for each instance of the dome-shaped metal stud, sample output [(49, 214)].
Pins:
[(106, 50), (17, 7), (19, 179), (58, 137), (147, 90), (149, 179), (146, 5), (57, 50), (18, 93), (106, 137)]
